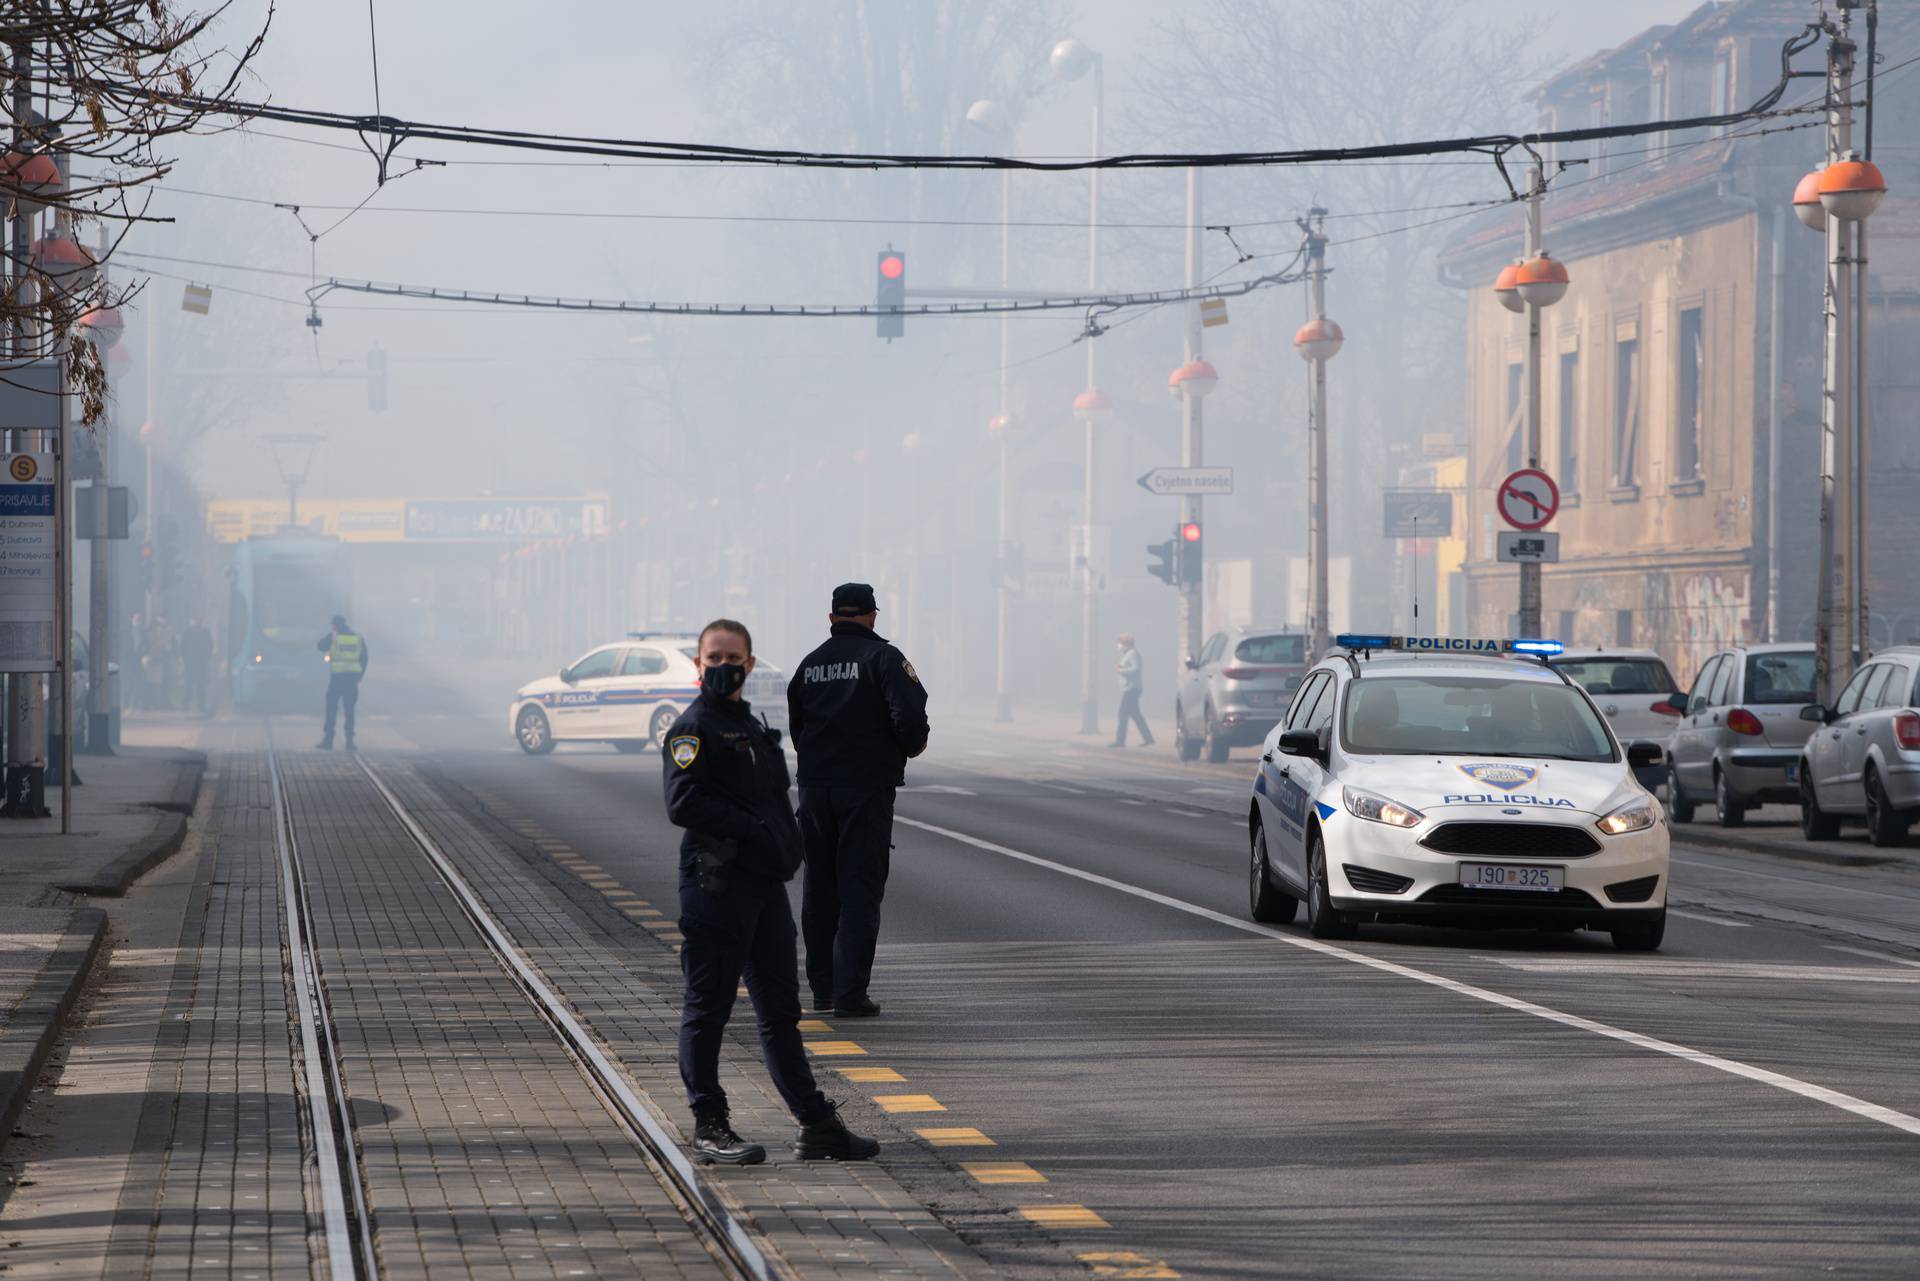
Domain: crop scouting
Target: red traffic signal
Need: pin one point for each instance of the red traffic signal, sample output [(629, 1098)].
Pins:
[(1190, 531), (892, 266)]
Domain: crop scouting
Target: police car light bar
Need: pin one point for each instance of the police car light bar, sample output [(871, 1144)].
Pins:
[(1450, 644)]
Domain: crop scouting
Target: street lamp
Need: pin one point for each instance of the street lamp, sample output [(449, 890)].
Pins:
[(1000, 427), (989, 117), (1852, 188), (1505, 288), (1070, 60), (1092, 407), (1806, 203)]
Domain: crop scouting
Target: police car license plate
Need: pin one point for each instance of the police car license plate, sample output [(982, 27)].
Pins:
[(1512, 876)]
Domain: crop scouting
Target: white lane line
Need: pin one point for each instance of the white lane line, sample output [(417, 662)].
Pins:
[(1061, 787), (1128, 800), (1710, 920), (1861, 951), (1733, 1067), (1190, 813), (1802, 881), (1683, 968)]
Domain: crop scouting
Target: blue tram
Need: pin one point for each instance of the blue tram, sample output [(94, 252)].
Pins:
[(283, 589)]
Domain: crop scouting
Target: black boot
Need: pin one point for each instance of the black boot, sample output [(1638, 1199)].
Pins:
[(822, 1001), (714, 1140), (856, 1007), (829, 1139)]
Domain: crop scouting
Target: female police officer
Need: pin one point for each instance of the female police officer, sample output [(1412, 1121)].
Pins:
[(727, 786)]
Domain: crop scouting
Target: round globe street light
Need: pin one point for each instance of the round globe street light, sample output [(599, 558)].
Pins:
[(999, 423), (987, 116), (1852, 188), (1071, 59), (103, 327), (1319, 340), (70, 264), (32, 178), (1541, 281), (1806, 202), (1092, 405), (1504, 288), (1195, 379)]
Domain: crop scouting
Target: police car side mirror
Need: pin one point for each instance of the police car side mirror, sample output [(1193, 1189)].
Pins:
[(1300, 742), (1643, 754), (1816, 712), (566, 674)]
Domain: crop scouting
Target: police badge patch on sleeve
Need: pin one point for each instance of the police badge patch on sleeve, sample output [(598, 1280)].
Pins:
[(683, 749), (912, 675)]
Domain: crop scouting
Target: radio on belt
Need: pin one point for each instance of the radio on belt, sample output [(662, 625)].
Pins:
[(1450, 644)]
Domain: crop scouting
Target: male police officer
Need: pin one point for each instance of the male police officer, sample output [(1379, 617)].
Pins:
[(346, 652), (727, 785), (857, 712)]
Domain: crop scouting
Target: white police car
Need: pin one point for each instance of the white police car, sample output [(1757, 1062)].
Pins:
[(1457, 781), (628, 693)]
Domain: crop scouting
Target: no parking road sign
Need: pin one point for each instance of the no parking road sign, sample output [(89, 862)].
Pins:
[(1528, 499)]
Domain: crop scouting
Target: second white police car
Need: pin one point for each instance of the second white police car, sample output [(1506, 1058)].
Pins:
[(1454, 781)]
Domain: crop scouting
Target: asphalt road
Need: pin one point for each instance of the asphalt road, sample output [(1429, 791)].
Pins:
[(1067, 968)]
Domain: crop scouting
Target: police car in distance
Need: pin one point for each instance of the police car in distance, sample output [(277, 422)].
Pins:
[(628, 693), (1456, 781)]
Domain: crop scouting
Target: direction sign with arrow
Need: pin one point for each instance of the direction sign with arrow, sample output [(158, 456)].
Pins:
[(1180, 481), (1528, 498)]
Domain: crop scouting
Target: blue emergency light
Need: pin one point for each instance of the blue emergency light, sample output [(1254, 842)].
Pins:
[(1450, 644)]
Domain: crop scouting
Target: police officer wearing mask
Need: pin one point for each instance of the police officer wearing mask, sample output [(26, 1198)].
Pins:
[(858, 713), (726, 783)]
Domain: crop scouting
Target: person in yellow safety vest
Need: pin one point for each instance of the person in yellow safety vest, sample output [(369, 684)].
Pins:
[(347, 654)]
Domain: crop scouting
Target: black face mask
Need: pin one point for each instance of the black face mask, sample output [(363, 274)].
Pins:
[(722, 680)]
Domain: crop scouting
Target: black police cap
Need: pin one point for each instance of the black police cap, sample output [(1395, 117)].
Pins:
[(854, 599)]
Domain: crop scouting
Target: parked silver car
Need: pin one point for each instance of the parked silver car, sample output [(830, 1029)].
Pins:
[(1635, 691), (1862, 760), (1235, 690), (1740, 735)]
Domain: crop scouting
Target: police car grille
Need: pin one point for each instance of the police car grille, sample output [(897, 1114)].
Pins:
[(1638, 890), (1371, 881), (1511, 840), (1507, 900)]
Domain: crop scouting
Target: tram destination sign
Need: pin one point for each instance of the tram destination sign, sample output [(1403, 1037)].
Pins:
[(502, 519), (29, 584)]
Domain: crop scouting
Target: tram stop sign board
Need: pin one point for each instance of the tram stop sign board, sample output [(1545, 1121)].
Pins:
[(1528, 498)]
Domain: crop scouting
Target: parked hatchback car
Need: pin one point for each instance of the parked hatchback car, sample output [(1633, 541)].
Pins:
[(1636, 692), (1740, 735), (1862, 758), (1235, 690)]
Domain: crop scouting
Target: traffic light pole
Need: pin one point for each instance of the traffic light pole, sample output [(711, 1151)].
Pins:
[(1530, 592), (1002, 592), (1089, 593), (1319, 633), (1192, 424)]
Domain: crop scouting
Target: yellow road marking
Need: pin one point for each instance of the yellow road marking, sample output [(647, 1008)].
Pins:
[(1002, 1172), (1127, 1264), (829, 1048), (960, 1136), (908, 1102), (1062, 1216), (672, 938), (814, 1025), (869, 1075), (643, 911), (661, 925)]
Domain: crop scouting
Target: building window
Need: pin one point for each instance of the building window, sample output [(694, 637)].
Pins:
[(1626, 410), (1516, 415), (1569, 422), (1689, 410)]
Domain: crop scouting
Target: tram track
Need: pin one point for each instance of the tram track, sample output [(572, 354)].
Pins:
[(349, 1220)]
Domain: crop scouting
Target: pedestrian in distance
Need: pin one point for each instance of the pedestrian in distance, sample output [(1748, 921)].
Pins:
[(196, 662), (858, 713), (1130, 685), (347, 656), (726, 784)]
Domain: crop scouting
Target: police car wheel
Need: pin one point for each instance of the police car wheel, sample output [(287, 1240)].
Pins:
[(1216, 743), (1641, 938), (1679, 808), (1324, 920), (1265, 903), (1733, 810), (533, 733), (662, 721)]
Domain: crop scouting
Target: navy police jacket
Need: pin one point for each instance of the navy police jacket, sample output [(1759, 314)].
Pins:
[(727, 781), (856, 711)]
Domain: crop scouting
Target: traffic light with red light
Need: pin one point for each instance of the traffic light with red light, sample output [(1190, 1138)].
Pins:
[(1191, 570), (890, 292)]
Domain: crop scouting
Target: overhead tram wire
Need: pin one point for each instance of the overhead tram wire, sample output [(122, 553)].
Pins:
[(393, 132)]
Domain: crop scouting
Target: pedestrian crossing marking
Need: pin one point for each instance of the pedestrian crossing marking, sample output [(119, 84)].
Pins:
[(908, 1102), (643, 911), (828, 1049), (869, 1075), (661, 925), (989, 1172), (814, 1025), (959, 1136), (1126, 1264), (1062, 1216)]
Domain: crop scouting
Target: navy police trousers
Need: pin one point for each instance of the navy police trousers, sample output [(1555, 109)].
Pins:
[(849, 840)]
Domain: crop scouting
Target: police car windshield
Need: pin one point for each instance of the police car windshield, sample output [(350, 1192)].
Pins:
[(1471, 715)]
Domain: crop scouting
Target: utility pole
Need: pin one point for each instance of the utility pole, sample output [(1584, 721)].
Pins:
[(1094, 412), (99, 710), (1003, 591), (1833, 647), (1319, 631), (1530, 570), (1192, 425)]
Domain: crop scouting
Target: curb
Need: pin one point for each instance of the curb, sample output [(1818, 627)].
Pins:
[(186, 786), (1694, 834), (169, 833), (37, 1022)]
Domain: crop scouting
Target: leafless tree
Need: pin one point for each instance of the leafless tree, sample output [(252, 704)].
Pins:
[(92, 91)]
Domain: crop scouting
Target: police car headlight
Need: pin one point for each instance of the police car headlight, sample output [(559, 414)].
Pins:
[(1378, 809), (1634, 816)]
